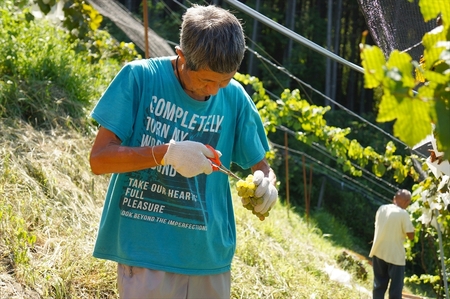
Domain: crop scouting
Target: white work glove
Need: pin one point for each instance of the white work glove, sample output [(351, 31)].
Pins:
[(189, 158), (266, 190)]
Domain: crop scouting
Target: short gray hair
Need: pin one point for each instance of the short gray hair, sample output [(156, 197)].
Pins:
[(212, 38)]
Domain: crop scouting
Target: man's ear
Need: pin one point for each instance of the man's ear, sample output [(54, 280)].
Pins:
[(179, 52)]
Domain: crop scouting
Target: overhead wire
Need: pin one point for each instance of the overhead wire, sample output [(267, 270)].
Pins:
[(373, 178), (181, 4), (274, 77), (170, 11), (284, 70), (331, 169), (263, 59)]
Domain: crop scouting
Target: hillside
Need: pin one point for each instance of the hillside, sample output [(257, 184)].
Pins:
[(50, 208)]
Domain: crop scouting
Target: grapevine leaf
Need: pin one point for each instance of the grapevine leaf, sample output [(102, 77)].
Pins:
[(355, 150), (372, 61), (426, 93), (436, 77), (402, 63), (400, 174), (433, 48), (442, 130), (388, 108), (390, 149), (413, 121), (378, 169), (431, 9)]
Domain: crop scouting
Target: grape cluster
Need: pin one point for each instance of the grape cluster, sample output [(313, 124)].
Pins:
[(246, 190)]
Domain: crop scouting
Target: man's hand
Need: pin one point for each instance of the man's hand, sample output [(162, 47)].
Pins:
[(188, 158), (266, 191)]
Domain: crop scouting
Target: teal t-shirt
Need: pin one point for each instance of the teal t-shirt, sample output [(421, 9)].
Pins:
[(156, 218)]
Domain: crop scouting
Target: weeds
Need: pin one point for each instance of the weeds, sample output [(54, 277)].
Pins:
[(44, 78)]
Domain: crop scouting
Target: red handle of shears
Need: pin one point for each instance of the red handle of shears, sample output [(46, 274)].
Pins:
[(216, 160), (217, 165)]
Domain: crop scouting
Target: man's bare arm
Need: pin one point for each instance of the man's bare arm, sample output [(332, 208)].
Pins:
[(109, 156)]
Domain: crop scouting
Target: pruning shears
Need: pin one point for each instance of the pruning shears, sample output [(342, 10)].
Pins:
[(218, 166)]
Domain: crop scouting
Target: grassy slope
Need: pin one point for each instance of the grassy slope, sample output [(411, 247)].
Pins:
[(50, 208)]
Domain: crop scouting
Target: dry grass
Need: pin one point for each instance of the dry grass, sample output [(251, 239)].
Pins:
[(284, 257), (49, 212)]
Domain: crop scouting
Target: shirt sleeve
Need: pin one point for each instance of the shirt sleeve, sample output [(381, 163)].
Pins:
[(117, 107), (251, 139), (407, 224)]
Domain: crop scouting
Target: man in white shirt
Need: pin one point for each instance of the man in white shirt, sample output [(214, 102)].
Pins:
[(392, 225)]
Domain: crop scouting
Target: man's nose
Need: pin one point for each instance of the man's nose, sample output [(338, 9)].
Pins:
[(213, 88)]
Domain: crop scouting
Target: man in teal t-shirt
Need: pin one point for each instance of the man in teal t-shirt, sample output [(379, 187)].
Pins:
[(168, 219)]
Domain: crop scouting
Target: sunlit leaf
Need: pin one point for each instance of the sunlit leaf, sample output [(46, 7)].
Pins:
[(442, 126), (402, 62), (413, 121), (400, 174), (355, 150), (431, 9), (435, 77), (388, 108), (373, 61), (378, 169), (390, 148)]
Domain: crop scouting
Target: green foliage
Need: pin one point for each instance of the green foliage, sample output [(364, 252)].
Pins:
[(431, 208), (45, 6), (80, 18), (356, 266), (101, 46), (16, 235), (414, 112), (56, 72), (82, 22), (45, 76)]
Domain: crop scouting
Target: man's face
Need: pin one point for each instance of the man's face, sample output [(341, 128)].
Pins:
[(205, 83)]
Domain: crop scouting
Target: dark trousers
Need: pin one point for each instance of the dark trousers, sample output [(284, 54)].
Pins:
[(383, 272)]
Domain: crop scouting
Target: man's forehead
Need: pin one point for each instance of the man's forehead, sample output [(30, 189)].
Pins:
[(207, 74)]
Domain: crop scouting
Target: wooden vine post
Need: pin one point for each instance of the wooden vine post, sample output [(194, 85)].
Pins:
[(145, 11), (307, 188), (286, 159)]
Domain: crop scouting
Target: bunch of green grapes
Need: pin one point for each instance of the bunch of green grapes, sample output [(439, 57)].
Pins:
[(246, 190)]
